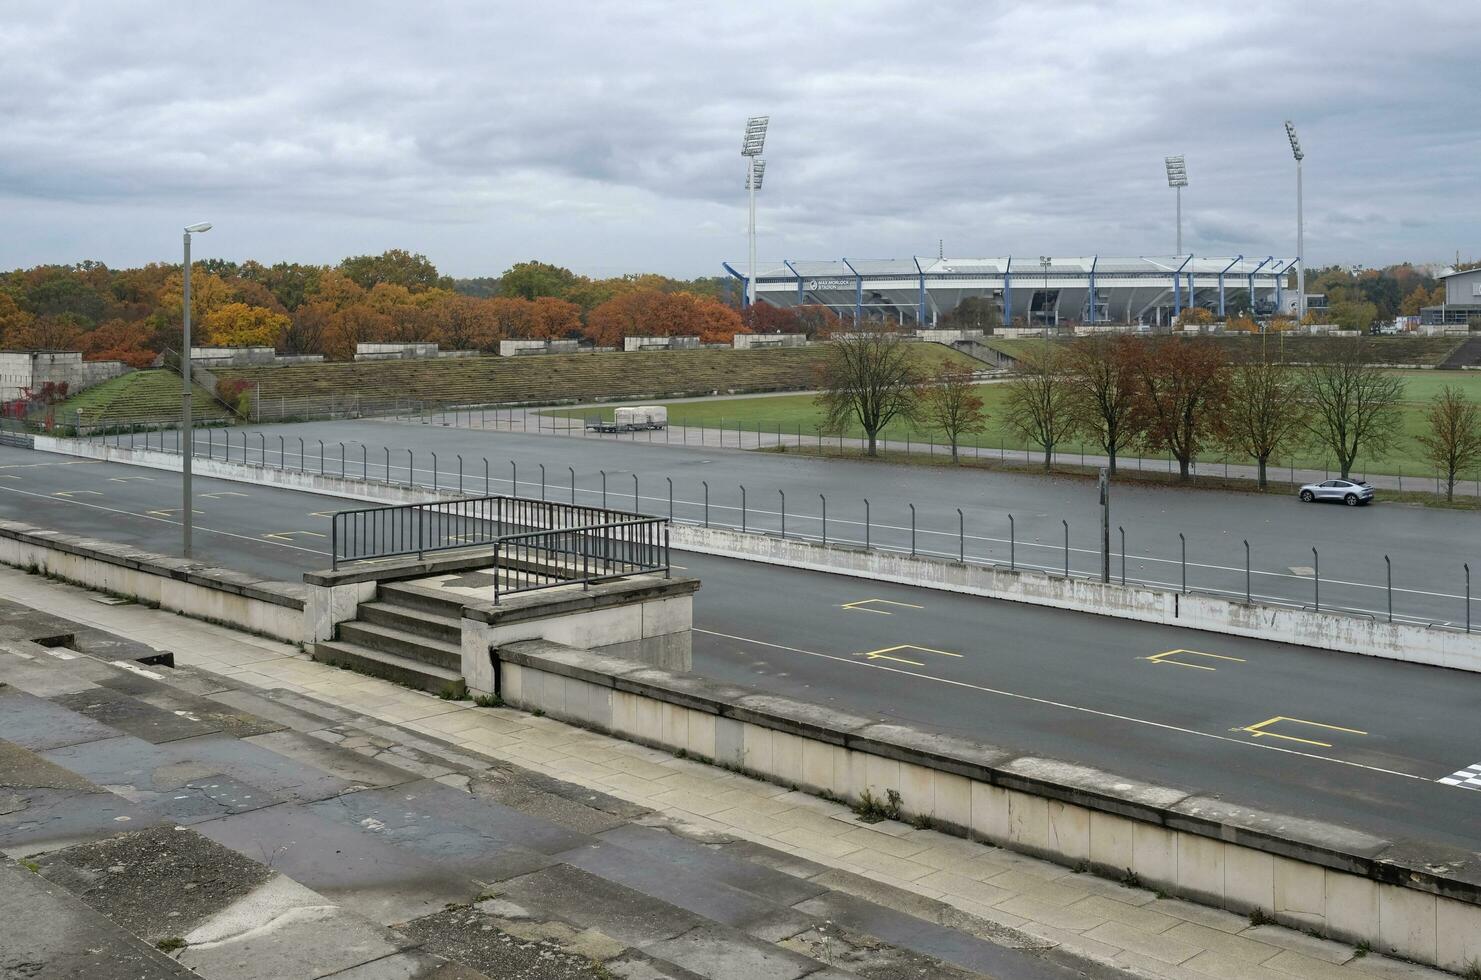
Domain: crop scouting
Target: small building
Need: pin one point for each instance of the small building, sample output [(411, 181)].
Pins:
[(751, 341), (520, 348), (1462, 300), (31, 370), (660, 343)]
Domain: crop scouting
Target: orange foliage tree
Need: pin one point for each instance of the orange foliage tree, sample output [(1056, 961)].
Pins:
[(118, 340)]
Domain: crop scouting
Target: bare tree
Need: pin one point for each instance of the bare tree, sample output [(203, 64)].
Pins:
[(1040, 400), (1351, 405), (950, 403), (1453, 439), (1183, 386), (1103, 378), (1265, 413), (869, 377)]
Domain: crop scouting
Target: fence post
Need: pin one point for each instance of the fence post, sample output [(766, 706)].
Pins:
[(635, 491), (496, 570), (302, 465), (707, 501), (434, 472), (262, 447), (912, 530), (388, 463), (1183, 560), (513, 479), (784, 501), (1316, 579), (573, 483), (333, 543), (667, 565), (1246, 571), (1388, 570), (542, 475), (1012, 546), (321, 457), (1066, 546), (671, 505), (1467, 567), (411, 467), (961, 537), (825, 517), (341, 461), (1123, 554), (743, 504), (866, 523), (460, 474), (604, 488), (364, 462)]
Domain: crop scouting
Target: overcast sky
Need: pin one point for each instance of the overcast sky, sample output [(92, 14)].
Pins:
[(605, 136)]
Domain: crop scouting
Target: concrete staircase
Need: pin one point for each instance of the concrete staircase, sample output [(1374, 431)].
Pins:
[(406, 635), (1468, 354)]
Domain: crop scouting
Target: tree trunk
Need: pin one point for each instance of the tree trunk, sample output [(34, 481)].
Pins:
[(1260, 481), (1450, 486), (1183, 472), (1048, 458), (953, 451), (1111, 461), (872, 443)]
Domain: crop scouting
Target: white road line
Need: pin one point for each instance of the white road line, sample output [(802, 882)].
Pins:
[(1064, 706)]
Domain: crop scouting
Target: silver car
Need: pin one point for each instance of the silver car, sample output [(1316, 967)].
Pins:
[(1350, 492)]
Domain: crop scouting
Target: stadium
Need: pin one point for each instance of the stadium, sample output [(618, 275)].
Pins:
[(1036, 291)]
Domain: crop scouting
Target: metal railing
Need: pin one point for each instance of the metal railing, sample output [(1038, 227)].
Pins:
[(542, 559)]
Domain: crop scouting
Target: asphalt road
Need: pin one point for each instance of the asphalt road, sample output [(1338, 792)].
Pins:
[(1334, 737), (1428, 548)]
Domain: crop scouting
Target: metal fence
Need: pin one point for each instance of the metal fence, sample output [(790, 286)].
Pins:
[(541, 559)]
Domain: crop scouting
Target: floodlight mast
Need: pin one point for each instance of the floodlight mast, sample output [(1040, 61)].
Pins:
[(1177, 178), (187, 430), (1300, 155), (752, 143)]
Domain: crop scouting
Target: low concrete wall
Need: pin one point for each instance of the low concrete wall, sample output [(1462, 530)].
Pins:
[(1328, 631), (1325, 879), (751, 341), (217, 595)]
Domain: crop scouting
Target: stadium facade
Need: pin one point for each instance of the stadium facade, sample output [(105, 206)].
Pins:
[(1036, 290)]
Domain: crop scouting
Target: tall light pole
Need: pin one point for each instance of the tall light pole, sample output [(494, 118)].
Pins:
[(1044, 263), (1177, 178), (1300, 226), (187, 440), (752, 144)]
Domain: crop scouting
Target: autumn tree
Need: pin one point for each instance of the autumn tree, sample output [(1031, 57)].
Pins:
[(396, 266), (1039, 400), (1196, 315), (868, 377), (1182, 389), (555, 319), (532, 279), (817, 320), (1452, 436), (118, 340), (950, 402), (1103, 380), (974, 313), (305, 334), (351, 327), (1351, 405), (240, 325), (1264, 414)]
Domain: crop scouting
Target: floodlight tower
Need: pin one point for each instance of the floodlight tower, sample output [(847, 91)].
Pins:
[(1297, 152), (751, 146), (187, 425), (1177, 178)]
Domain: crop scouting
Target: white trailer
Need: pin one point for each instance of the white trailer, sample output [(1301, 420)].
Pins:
[(632, 419)]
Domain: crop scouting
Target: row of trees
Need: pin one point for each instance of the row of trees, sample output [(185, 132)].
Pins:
[(134, 314), (1178, 395)]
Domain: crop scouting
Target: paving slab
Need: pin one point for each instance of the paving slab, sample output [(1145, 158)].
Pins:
[(63, 939), (354, 768), (37, 819), (725, 954), (473, 939), (714, 863), (384, 883), (578, 896), (39, 724), (132, 716), (414, 964), (264, 705)]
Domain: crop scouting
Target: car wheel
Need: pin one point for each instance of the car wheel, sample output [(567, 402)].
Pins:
[(1307, 496), (1351, 500)]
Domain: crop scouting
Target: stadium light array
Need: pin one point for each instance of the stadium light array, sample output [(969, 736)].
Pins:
[(752, 143), (1177, 178), (1300, 155)]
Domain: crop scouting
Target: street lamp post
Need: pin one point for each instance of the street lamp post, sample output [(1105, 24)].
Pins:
[(1300, 155), (187, 442), (1177, 178), (752, 144), (1044, 263)]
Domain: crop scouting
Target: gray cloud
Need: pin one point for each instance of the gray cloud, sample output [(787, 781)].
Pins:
[(606, 136)]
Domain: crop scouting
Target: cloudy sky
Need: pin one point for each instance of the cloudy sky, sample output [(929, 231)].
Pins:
[(605, 136)]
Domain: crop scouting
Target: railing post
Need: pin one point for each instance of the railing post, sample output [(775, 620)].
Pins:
[(1012, 546), (513, 479), (365, 462), (604, 488), (1183, 543), (671, 506), (636, 509), (341, 461), (1316, 579), (961, 537), (1247, 571), (825, 517), (321, 457), (573, 483), (302, 464), (333, 543), (1467, 567), (912, 530), (434, 473), (262, 444), (1123, 554), (411, 468), (667, 565), (1066, 546), (421, 544), (542, 476), (706, 484), (1388, 570), (498, 546), (784, 510), (867, 522), (743, 508), (460, 474)]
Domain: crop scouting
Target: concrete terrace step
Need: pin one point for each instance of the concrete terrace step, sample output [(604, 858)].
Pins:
[(388, 639), (401, 670), (447, 629), (412, 597)]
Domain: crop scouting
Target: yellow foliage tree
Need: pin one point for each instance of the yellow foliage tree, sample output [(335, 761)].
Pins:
[(240, 325)]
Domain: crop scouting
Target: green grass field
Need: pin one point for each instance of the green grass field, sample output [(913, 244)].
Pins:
[(793, 411), (139, 395)]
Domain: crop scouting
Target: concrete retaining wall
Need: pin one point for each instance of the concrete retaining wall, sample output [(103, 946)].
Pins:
[(1328, 631), (1326, 879), (217, 595)]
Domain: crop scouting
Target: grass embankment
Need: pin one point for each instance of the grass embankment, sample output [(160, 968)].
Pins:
[(1124, 475), (796, 413), (137, 397)]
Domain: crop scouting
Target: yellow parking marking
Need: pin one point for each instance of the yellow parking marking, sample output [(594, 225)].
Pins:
[(170, 512), (861, 604), (1165, 658), (885, 653), (1259, 729), (221, 493), (323, 513), (8, 476), (130, 479), (69, 494), (288, 535)]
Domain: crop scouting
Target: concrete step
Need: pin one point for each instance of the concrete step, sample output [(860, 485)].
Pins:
[(448, 629), (402, 670), (412, 597), (388, 639)]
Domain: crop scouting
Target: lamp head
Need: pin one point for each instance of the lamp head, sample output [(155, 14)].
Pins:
[(1177, 171), (754, 139), (758, 173), (1295, 142), (198, 227)]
